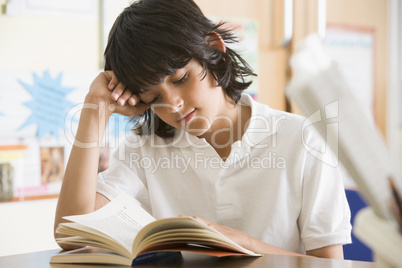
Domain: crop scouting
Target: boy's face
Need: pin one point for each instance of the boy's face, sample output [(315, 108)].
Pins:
[(187, 101)]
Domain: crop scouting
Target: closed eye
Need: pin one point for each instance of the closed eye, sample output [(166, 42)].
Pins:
[(181, 80)]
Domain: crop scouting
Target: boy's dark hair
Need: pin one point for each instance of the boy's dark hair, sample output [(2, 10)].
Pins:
[(152, 38)]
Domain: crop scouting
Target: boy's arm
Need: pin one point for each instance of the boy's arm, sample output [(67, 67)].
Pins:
[(78, 192), (258, 246), (333, 252)]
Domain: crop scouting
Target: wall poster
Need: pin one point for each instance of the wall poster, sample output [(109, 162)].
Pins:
[(352, 48)]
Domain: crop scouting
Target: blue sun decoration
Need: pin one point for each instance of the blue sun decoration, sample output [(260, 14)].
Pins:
[(49, 105)]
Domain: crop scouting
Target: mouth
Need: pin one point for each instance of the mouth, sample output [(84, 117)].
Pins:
[(186, 118)]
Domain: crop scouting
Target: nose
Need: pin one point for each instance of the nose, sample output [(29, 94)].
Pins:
[(174, 102)]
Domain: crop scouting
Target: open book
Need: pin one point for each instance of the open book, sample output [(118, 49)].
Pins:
[(321, 92), (123, 233)]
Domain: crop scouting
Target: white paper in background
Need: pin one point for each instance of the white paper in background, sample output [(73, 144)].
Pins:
[(30, 183), (353, 50), (86, 9)]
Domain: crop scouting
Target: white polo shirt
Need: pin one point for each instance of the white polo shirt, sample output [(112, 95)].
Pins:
[(271, 186)]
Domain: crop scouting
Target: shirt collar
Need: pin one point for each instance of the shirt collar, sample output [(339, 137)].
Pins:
[(260, 123)]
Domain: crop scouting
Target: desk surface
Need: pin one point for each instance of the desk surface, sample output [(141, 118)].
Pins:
[(41, 259)]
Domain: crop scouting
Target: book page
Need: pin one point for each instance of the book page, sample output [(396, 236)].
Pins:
[(90, 255), (361, 148), (179, 226), (121, 219), (326, 99)]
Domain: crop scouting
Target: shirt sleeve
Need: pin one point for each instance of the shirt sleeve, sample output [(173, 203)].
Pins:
[(124, 176), (325, 215)]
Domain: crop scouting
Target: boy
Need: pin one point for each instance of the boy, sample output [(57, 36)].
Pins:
[(201, 147)]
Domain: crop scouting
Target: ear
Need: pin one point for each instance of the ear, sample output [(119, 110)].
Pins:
[(215, 40)]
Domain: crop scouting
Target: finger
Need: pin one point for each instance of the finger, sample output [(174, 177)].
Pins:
[(113, 82), (184, 216), (133, 100), (118, 90), (124, 97), (203, 220)]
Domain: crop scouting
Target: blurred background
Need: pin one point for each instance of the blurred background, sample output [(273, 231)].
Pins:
[(50, 51)]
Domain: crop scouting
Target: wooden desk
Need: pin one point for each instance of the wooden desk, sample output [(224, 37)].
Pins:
[(41, 259)]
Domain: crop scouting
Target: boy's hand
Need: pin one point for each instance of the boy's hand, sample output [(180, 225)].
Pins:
[(119, 99), (247, 241)]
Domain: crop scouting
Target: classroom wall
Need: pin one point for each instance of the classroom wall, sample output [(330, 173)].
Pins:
[(33, 42), (37, 43)]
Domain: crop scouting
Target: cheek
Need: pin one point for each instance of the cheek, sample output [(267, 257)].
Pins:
[(204, 90), (165, 116), (159, 112)]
